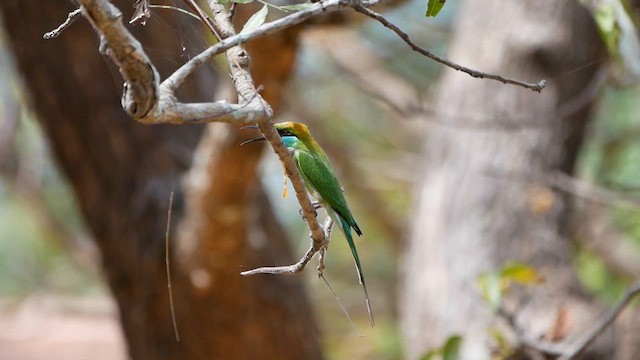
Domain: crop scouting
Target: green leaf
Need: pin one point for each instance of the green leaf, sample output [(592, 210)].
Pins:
[(430, 355), (499, 337), (494, 284), (516, 272), (296, 7), (451, 349), (491, 289), (502, 350), (255, 20), (605, 17), (434, 7)]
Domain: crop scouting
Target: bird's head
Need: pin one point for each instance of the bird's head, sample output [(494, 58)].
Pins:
[(299, 130), (289, 132)]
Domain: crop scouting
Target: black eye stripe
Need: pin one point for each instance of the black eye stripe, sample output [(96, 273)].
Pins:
[(285, 132)]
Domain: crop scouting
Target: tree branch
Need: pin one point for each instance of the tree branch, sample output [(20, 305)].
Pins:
[(579, 345), (584, 190), (71, 18), (150, 103), (474, 73), (247, 93), (526, 341), (140, 93), (300, 265)]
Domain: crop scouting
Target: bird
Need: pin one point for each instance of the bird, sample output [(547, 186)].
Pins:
[(321, 182)]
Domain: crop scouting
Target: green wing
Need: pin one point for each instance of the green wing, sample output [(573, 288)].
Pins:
[(319, 176), (322, 179)]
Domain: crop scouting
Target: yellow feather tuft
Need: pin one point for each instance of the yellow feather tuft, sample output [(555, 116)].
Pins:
[(285, 192)]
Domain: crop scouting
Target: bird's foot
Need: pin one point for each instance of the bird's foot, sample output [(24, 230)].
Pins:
[(316, 205), (315, 213)]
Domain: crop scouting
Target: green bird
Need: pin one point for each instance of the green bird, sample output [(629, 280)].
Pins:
[(321, 182)]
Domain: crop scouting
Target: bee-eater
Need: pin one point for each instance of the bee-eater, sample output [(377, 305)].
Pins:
[(321, 182)]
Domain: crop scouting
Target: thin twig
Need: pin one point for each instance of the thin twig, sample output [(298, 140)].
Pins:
[(174, 8), (284, 270), (238, 60), (362, 79), (203, 16), (575, 187), (527, 342), (579, 345), (591, 192), (474, 73), (146, 101), (327, 227), (316, 247), (344, 310), (178, 77), (166, 260), (71, 18)]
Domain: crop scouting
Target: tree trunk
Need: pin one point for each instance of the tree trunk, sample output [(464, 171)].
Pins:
[(123, 172), (484, 198)]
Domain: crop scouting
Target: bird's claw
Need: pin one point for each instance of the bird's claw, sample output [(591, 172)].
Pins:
[(316, 205), (315, 213)]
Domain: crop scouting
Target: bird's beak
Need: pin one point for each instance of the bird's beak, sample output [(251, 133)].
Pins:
[(252, 127), (252, 140)]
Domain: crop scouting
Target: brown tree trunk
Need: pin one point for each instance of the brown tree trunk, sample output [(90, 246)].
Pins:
[(123, 172), (484, 200)]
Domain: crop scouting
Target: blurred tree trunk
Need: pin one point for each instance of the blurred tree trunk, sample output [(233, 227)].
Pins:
[(484, 199), (123, 172)]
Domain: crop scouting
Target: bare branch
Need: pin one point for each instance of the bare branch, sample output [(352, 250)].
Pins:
[(140, 93), (474, 73), (71, 18), (150, 103), (591, 192), (247, 94), (178, 77), (526, 341), (202, 16), (285, 270), (327, 6), (316, 247), (579, 345)]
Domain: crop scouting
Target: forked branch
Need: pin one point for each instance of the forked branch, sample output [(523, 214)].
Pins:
[(316, 247), (582, 343), (150, 102)]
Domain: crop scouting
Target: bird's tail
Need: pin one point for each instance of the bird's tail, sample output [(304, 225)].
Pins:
[(347, 233)]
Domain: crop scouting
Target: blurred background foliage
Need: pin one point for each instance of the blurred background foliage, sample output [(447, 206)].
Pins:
[(44, 247)]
